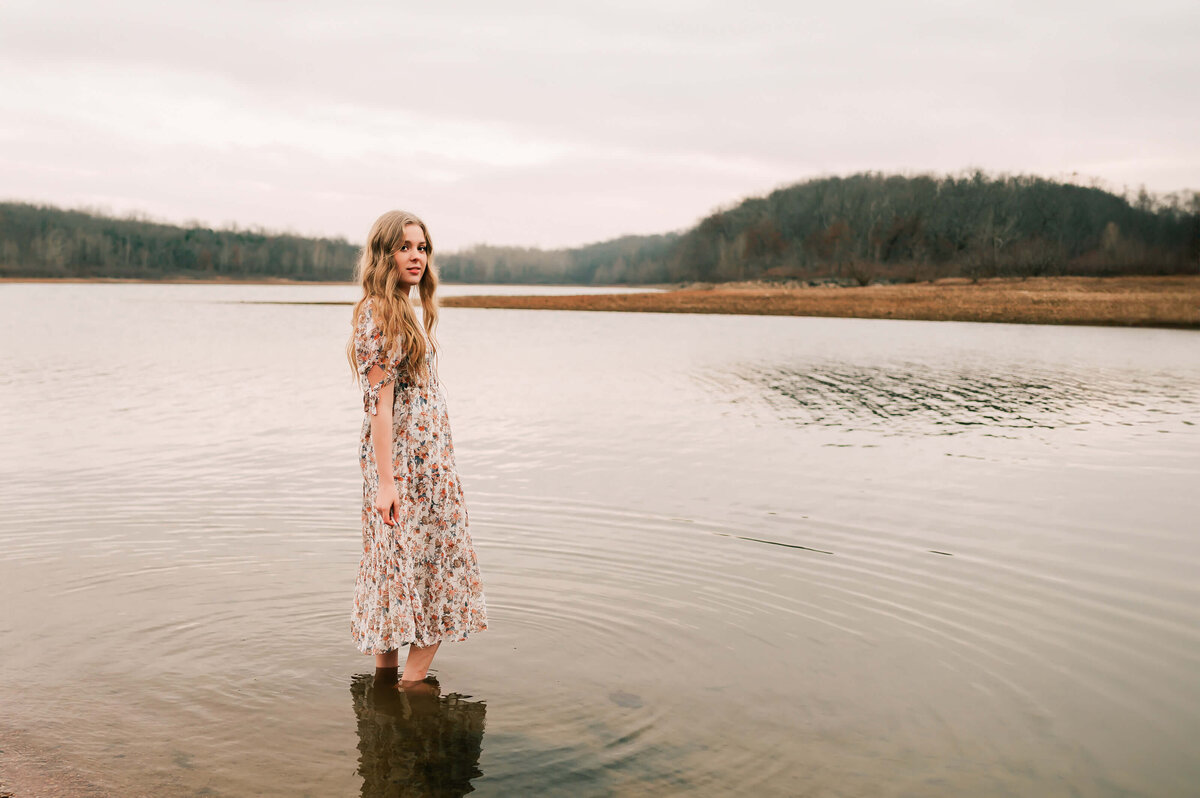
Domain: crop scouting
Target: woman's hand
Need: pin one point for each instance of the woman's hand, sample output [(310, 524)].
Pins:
[(387, 502)]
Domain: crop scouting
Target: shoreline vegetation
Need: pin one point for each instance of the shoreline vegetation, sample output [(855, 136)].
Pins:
[(1143, 301), (962, 247), (1171, 301), (860, 229)]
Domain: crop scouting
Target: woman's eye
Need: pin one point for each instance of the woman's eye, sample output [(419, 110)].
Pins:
[(423, 248), (403, 247)]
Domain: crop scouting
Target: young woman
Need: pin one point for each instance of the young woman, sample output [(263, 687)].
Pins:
[(418, 581)]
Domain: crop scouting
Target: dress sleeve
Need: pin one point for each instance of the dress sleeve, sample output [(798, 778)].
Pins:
[(368, 352)]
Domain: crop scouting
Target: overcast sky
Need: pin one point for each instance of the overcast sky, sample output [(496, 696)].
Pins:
[(559, 123)]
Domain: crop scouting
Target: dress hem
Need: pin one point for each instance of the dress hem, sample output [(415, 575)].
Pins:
[(456, 639)]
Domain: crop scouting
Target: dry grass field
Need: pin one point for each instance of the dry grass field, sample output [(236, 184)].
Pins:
[(1125, 301)]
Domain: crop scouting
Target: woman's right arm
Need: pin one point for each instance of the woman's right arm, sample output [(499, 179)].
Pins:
[(387, 498)]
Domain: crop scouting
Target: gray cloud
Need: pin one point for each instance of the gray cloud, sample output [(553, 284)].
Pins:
[(547, 124)]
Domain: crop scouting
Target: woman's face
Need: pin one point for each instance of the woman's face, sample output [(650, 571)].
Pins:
[(413, 255)]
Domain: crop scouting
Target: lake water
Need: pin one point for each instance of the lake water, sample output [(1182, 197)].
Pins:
[(723, 556)]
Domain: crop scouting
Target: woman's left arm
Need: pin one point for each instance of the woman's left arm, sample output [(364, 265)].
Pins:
[(387, 497)]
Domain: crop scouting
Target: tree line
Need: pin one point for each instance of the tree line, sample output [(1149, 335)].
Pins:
[(41, 241), (872, 226), (854, 229)]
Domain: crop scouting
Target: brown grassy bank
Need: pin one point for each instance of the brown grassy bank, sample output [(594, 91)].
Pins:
[(1125, 301)]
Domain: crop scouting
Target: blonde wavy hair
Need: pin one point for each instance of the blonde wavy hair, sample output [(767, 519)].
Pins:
[(392, 311)]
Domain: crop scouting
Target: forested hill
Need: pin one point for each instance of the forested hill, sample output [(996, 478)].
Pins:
[(852, 229), (878, 227), (38, 241)]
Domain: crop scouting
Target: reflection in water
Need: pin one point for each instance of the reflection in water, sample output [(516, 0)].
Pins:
[(413, 741)]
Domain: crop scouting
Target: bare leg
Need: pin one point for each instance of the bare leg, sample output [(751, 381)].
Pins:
[(389, 659), (416, 667)]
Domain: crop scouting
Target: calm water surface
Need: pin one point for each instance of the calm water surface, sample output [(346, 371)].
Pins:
[(723, 555)]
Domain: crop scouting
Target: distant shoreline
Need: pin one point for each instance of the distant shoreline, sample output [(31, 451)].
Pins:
[(286, 281), (1170, 301), (1144, 301)]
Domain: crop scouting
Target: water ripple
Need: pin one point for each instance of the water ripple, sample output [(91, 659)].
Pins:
[(912, 397)]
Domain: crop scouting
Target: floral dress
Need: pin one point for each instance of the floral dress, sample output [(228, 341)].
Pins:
[(418, 581)]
